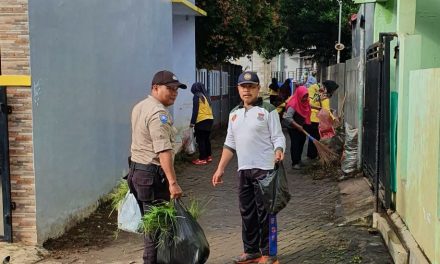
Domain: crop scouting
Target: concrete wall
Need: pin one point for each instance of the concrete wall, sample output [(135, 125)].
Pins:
[(184, 66), (367, 11), (336, 73), (428, 15), (419, 198), (417, 164), (91, 61), (385, 19), (351, 89)]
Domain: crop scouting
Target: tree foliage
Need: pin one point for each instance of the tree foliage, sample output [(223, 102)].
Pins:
[(313, 27), (234, 28)]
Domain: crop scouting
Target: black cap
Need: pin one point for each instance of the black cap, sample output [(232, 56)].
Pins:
[(167, 78), (248, 77)]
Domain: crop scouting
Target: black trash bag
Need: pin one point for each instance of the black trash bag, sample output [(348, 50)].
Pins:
[(189, 245), (275, 189)]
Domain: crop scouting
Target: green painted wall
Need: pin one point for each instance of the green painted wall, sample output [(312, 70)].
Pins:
[(427, 22), (385, 18), (418, 129), (418, 197), (415, 146)]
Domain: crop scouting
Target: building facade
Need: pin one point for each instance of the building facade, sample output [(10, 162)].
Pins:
[(84, 65)]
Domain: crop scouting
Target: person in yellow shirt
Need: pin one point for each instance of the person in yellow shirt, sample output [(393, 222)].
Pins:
[(319, 99), (202, 121)]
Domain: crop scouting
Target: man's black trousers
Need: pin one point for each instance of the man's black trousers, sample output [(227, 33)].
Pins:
[(149, 185), (255, 219)]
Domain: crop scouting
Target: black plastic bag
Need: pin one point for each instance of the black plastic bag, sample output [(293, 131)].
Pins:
[(275, 189), (187, 244)]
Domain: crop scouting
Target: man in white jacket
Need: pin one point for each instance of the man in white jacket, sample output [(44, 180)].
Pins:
[(255, 134)]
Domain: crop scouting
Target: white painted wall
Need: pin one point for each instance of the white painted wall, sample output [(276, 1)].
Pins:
[(292, 63), (91, 61), (257, 64), (184, 66), (284, 62)]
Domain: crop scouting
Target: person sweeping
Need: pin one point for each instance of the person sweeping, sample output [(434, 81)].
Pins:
[(297, 115), (319, 100)]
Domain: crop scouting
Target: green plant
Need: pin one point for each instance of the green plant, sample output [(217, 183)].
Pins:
[(161, 219), (196, 209), (356, 259), (118, 194)]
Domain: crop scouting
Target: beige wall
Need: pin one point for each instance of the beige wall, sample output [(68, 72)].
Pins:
[(14, 44)]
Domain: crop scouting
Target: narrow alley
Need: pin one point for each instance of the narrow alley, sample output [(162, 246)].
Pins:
[(310, 231)]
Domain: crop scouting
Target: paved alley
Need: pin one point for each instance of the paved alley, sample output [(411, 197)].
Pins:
[(309, 231)]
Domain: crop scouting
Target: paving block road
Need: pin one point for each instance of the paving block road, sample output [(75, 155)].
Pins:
[(310, 228)]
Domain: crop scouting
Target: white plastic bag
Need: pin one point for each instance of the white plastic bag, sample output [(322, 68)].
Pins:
[(189, 142), (129, 214)]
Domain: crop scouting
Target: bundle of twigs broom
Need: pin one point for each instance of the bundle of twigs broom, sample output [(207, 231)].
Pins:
[(326, 155)]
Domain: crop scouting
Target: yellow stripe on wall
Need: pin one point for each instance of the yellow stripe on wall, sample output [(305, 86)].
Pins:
[(191, 6), (15, 80)]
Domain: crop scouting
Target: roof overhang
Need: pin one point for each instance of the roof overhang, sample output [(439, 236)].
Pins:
[(186, 8)]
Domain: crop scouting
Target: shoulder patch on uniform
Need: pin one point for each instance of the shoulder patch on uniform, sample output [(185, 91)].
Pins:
[(163, 118), (268, 107)]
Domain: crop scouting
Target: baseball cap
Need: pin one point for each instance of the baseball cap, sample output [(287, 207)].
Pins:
[(167, 78), (248, 77)]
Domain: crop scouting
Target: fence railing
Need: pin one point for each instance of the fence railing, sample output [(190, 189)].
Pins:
[(345, 98), (297, 76), (222, 93)]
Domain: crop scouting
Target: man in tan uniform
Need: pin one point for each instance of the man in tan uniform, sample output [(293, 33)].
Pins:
[(152, 178)]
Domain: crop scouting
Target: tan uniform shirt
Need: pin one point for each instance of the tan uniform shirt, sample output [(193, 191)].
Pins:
[(152, 131)]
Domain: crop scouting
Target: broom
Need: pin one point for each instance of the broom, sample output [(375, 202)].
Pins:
[(326, 155)]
